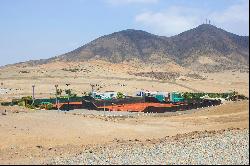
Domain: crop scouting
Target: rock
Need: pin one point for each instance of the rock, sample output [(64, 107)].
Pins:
[(39, 146), (229, 147)]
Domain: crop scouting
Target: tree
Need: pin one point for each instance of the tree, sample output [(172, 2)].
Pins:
[(59, 92), (68, 92), (26, 99), (235, 93), (73, 95), (187, 95), (90, 94)]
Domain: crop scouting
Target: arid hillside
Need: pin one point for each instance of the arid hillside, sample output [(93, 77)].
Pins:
[(204, 48)]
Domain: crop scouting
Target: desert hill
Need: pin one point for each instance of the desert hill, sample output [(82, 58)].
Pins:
[(204, 48)]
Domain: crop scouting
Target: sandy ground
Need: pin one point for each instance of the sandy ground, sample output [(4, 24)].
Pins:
[(111, 77), (33, 137)]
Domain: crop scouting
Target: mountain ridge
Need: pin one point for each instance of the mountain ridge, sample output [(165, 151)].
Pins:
[(222, 50)]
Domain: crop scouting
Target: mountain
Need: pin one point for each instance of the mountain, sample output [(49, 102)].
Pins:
[(218, 47), (205, 47), (120, 46)]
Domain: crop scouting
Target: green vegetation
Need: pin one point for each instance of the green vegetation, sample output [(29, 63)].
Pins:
[(90, 94), (120, 95), (73, 95), (46, 105), (85, 94), (59, 92), (30, 106), (190, 95), (24, 101), (27, 98), (70, 93), (15, 101), (21, 103)]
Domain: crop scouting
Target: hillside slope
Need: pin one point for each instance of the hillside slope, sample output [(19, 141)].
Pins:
[(205, 48)]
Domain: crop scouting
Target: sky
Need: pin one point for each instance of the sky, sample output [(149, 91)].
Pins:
[(39, 29)]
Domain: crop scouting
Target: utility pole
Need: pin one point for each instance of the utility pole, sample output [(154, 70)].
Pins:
[(68, 97), (92, 89), (56, 98), (33, 94)]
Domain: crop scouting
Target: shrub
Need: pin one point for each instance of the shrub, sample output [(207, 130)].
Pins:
[(59, 92), (30, 106), (21, 103), (49, 106), (68, 91), (120, 95), (23, 71), (74, 95), (27, 98), (42, 106), (71, 70)]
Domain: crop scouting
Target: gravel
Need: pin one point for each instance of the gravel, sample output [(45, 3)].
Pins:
[(227, 147)]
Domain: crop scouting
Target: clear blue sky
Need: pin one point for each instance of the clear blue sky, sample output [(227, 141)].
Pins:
[(38, 29)]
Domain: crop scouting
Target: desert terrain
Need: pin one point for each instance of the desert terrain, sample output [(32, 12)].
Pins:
[(36, 137), (125, 77), (161, 49), (51, 137)]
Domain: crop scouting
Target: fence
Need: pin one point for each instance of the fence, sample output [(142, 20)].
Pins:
[(53, 100)]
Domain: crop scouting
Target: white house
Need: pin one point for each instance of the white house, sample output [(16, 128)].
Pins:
[(104, 95)]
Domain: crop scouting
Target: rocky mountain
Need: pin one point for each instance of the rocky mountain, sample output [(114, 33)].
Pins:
[(205, 47), (120, 46), (208, 47)]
